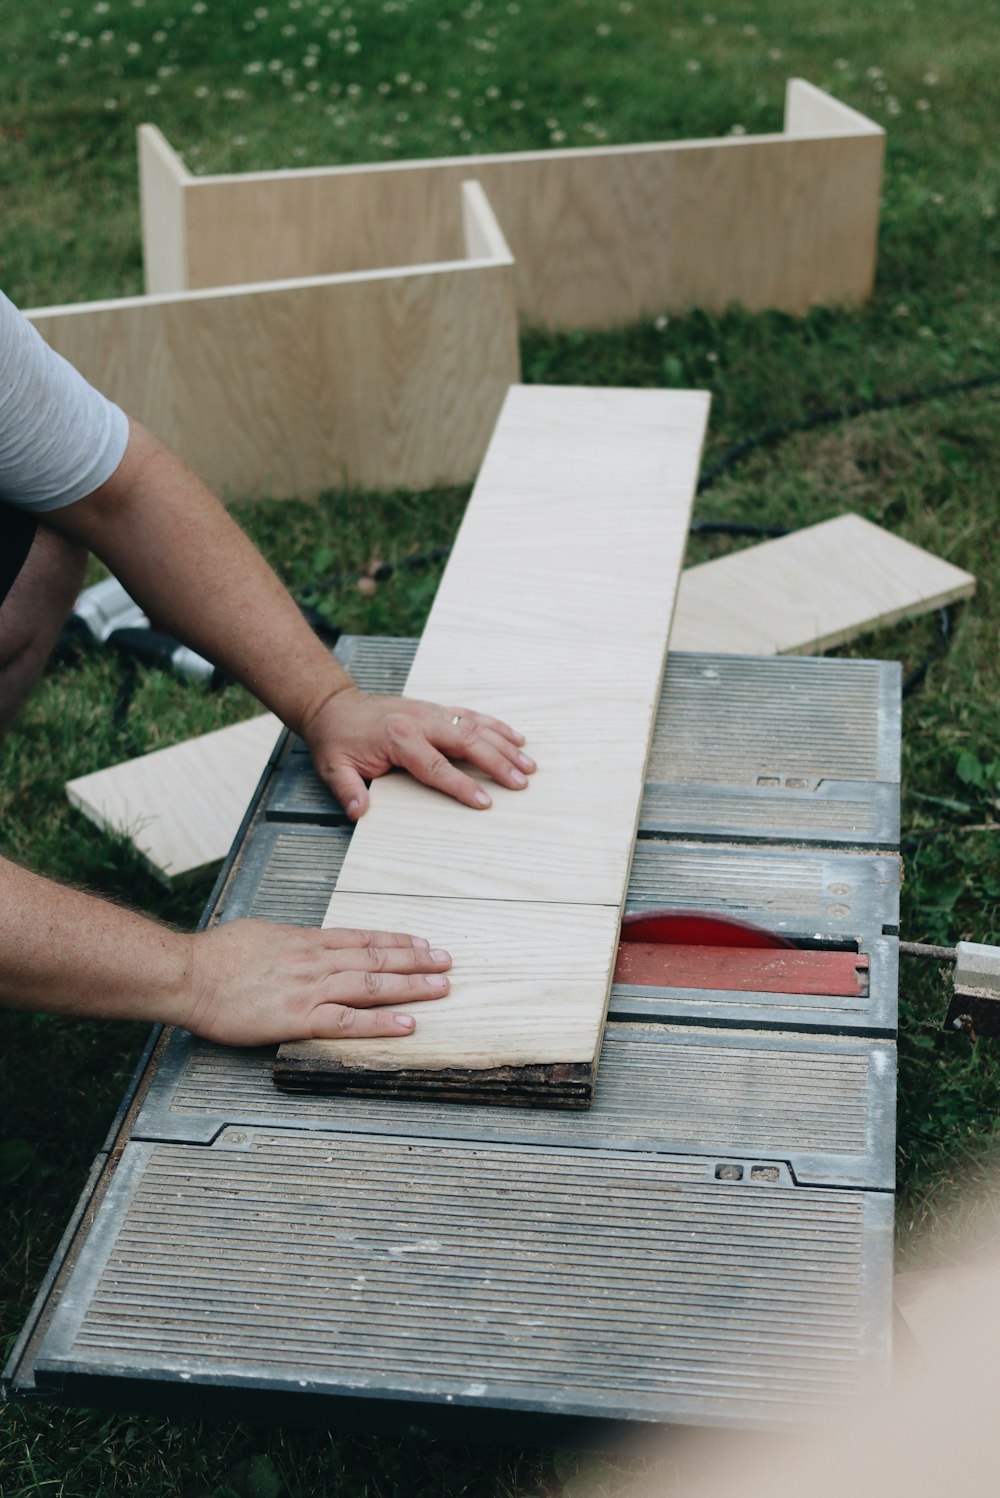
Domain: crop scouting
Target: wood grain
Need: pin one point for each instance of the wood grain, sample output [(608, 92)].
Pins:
[(600, 236), (181, 806), (528, 996), (380, 379), (811, 590), (553, 612)]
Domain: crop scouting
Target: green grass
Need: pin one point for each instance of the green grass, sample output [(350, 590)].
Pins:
[(435, 78)]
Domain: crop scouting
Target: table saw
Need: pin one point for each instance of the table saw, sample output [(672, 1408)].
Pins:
[(711, 1243)]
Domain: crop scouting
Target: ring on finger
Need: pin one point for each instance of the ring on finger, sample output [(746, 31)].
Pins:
[(456, 720)]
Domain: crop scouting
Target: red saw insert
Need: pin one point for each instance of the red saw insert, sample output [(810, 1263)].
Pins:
[(688, 949)]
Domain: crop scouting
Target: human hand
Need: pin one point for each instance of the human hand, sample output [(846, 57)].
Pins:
[(355, 737), (256, 983)]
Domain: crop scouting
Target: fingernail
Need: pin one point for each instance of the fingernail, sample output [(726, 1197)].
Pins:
[(518, 778), (420, 941), (438, 954), (481, 799), (437, 981), (352, 808), (526, 762), (405, 1022)]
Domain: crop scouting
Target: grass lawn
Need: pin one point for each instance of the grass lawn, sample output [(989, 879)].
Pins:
[(236, 86)]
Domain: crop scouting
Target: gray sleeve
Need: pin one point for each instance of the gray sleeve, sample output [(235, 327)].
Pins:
[(59, 437)]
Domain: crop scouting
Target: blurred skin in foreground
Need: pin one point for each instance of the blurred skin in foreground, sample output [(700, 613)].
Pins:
[(933, 1432)]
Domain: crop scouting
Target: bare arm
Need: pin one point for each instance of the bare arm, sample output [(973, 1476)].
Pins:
[(248, 983), (182, 556)]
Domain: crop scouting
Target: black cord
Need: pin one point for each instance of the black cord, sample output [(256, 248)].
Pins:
[(735, 528), (944, 640), (123, 703), (779, 430)]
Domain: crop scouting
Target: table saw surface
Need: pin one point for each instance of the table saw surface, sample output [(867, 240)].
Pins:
[(711, 1243)]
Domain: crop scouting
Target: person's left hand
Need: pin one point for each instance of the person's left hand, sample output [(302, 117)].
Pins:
[(356, 736)]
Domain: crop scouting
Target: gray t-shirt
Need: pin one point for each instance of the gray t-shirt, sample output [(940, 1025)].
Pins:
[(59, 437)]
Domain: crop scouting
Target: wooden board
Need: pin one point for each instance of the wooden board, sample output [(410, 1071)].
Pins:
[(382, 379), (738, 612), (600, 236), (811, 590), (553, 612), (181, 806), (522, 1022)]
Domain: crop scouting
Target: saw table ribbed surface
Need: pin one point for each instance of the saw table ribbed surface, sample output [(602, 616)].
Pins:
[(710, 1243)]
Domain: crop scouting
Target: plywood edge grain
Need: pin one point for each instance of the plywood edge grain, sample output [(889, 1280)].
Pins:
[(484, 239), (811, 111), (251, 290), (163, 178)]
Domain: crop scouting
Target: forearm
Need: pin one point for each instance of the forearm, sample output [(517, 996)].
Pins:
[(186, 561), (179, 553), (66, 952), (245, 983)]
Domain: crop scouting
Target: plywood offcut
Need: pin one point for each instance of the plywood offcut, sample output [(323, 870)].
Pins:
[(600, 236), (181, 806), (382, 378), (811, 590)]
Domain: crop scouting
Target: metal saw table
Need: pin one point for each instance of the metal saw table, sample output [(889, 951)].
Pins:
[(710, 1244)]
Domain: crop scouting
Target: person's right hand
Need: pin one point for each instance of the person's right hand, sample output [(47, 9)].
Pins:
[(255, 983)]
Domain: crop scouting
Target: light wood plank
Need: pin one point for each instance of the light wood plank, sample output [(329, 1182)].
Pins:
[(181, 806), (379, 379), (600, 236), (723, 612), (529, 991), (553, 613), (811, 590)]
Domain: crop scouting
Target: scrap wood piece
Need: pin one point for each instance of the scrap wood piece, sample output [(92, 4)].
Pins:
[(811, 590), (554, 612), (181, 806)]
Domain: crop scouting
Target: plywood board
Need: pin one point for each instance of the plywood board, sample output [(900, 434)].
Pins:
[(811, 590), (522, 1022), (553, 613), (600, 236), (383, 379), (181, 806)]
